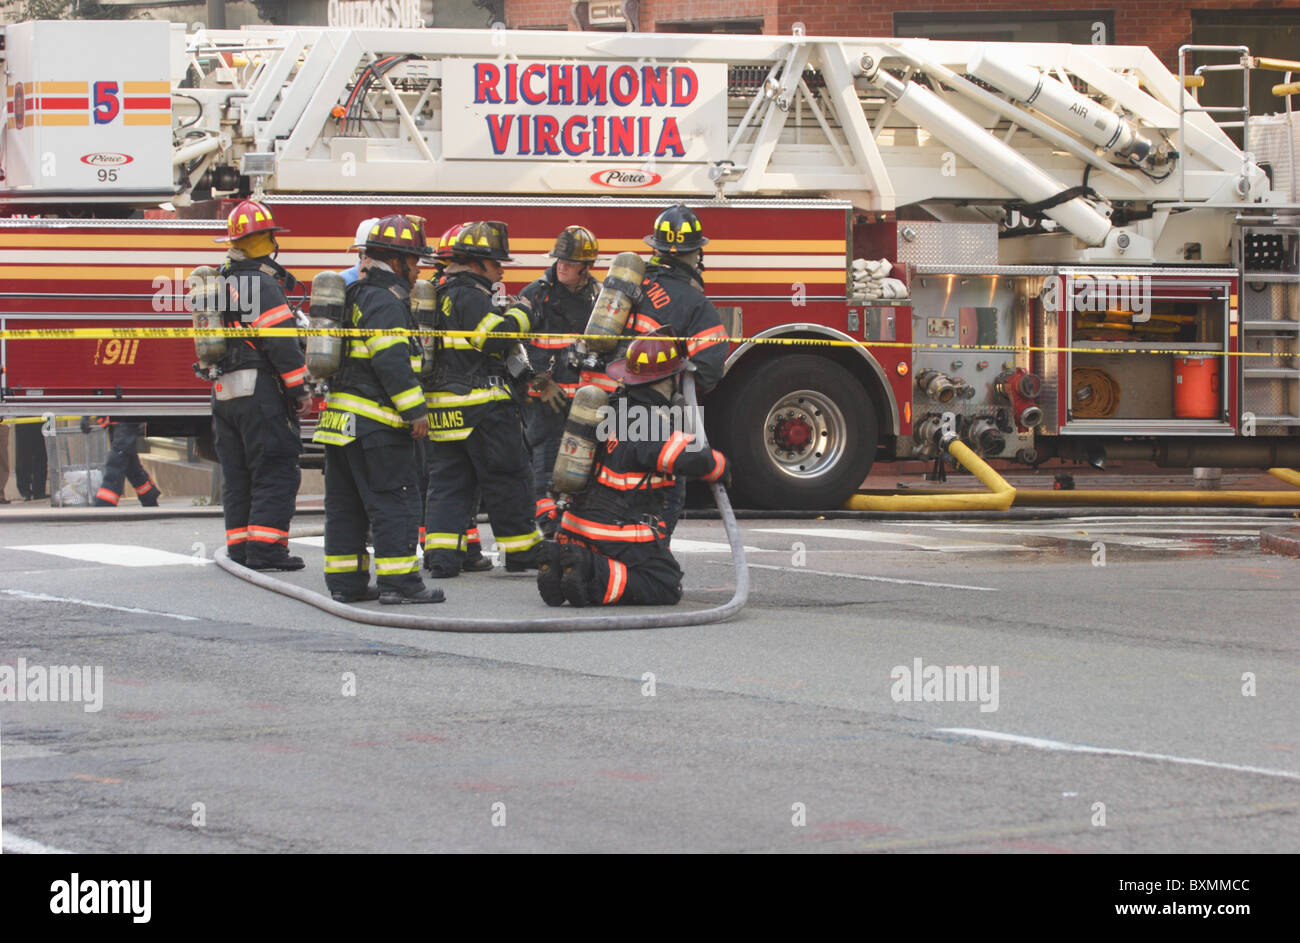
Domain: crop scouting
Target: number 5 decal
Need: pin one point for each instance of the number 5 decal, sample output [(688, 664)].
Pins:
[(106, 104)]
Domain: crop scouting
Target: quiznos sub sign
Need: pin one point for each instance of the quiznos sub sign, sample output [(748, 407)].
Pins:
[(375, 14), (566, 110)]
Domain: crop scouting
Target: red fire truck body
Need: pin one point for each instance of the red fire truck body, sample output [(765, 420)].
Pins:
[(771, 269)]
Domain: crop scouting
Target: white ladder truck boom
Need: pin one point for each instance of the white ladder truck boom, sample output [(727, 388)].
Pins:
[(1051, 250), (883, 123)]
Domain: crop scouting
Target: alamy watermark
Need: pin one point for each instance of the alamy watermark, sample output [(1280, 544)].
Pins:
[(178, 293), (80, 896), (1099, 294), (59, 683), (922, 682), (635, 422)]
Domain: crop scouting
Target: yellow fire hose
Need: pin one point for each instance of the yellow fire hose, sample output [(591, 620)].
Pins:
[(1287, 475), (1250, 499), (999, 497), (1002, 496)]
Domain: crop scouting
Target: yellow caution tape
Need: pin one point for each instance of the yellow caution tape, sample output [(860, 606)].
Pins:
[(164, 333)]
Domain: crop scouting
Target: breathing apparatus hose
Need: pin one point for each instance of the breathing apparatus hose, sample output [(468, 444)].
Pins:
[(561, 624)]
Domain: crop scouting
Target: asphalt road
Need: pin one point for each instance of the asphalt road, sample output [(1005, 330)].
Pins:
[(1146, 699)]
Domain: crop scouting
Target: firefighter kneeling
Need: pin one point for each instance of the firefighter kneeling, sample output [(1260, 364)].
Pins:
[(374, 415), (612, 544)]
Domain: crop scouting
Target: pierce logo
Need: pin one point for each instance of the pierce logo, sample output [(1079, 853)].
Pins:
[(625, 179), (106, 159)]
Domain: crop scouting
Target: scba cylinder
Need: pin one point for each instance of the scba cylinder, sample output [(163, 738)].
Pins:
[(205, 301), (424, 307), (325, 351), (1087, 118), (578, 444), (621, 289)]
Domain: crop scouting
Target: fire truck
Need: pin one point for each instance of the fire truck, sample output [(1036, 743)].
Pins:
[(1053, 251)]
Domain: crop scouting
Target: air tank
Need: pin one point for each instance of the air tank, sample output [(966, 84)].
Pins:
[(205, 301), (424, 307), (621, 289), (325, 351), (578, 444)]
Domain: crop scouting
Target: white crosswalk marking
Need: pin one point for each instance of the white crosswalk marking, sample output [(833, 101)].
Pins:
[(116, 554), (1091, 536), (804, 571), (919, 541), (682, 545)]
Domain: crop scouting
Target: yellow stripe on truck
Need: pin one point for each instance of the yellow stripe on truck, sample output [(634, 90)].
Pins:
[(67, 88), (82, 273), (127, 240)]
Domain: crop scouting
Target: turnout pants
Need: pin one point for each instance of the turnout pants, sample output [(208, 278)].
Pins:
[(124, 464), (473, 547), (494, 460), (258, 444), (634, 574), (545, 429), (30, 462), (372, 485)]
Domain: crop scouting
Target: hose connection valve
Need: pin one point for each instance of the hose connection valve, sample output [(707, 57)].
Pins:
[(1020, 388), (939, 386)]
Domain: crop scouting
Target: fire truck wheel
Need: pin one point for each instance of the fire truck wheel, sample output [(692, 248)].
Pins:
[(804, 434)]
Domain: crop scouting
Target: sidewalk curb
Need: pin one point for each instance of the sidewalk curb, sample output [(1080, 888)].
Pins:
[(1280, 540)]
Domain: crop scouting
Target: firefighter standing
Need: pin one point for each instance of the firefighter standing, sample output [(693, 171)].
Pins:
[(561, 304), (258, 397), (352, 273), (474, 561), (374, 416), (612, 546), (474, 423), (123, 464), (31, 469), (673, 296)]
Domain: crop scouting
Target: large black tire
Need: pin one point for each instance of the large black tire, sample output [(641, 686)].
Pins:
[(801, 432)]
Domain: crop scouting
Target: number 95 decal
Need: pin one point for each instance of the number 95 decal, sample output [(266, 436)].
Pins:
[(106, 164)]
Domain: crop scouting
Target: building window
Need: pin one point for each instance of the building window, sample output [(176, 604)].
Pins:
[(741, 27), (1010, 26), (1271, 33)]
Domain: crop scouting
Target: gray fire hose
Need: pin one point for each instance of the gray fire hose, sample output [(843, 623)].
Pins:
[(560, 624)]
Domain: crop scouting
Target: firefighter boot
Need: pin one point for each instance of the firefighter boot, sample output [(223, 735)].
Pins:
[(474, 561), (369, 594), (524, 560), (549, 573), (476, 564), (436, 570), (426, 594), (279, 562), (578, 572), (148, 494)]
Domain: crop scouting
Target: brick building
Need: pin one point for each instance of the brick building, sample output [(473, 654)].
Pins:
[(1268, 27), (1161, 24)]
